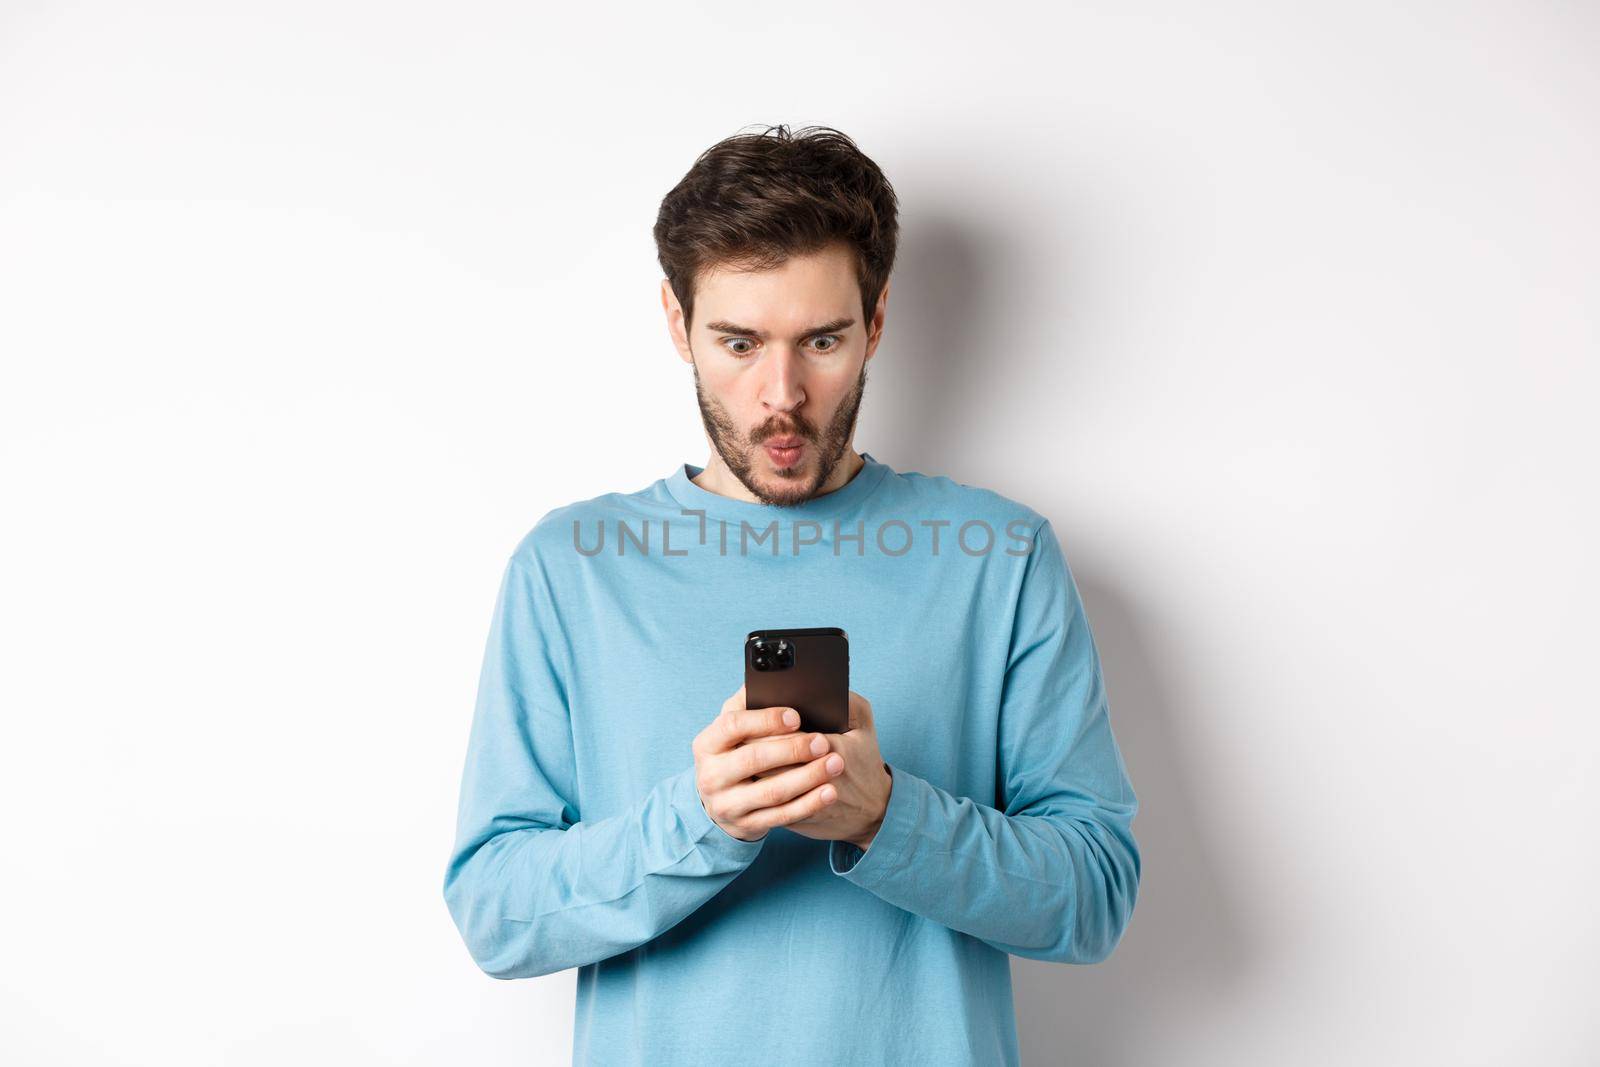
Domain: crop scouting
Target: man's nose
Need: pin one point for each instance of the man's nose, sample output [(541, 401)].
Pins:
[(784, 386)]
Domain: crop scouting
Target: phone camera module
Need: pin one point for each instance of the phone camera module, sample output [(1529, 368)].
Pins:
[(772, 655)]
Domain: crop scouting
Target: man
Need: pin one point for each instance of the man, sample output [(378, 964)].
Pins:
[(730, 887)]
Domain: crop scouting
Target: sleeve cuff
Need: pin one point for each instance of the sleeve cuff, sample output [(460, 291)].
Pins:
[(703, 829), (900, 819)]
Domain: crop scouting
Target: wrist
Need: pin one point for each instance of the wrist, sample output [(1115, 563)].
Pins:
[(865, 840)]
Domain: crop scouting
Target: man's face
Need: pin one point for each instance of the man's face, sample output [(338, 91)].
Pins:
[(780, 363)]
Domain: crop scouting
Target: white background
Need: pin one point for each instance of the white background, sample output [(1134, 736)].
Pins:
[(1284, 314)]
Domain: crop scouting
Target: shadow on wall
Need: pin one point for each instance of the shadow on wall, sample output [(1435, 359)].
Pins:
[(929, 388), (1184, 947), (944, 382)]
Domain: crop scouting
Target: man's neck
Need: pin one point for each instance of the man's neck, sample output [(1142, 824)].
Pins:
[(717, 478)]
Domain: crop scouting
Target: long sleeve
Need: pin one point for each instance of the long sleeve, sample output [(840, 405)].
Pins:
[(533, 887), (1055, 874)]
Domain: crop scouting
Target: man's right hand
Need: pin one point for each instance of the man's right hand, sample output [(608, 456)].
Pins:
[(731, 754)]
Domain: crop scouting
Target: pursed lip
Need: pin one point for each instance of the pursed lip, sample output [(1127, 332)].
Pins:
[(784, 442)]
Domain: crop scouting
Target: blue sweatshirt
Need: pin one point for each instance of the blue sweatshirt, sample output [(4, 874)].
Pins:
[(582, 842)]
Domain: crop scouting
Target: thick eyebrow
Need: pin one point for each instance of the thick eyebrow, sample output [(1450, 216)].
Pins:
[(724, 326)]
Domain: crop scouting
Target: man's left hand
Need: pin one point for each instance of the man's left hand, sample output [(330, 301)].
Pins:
[(863, 786)]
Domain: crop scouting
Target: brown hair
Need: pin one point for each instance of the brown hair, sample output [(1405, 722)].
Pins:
[(753, 200)]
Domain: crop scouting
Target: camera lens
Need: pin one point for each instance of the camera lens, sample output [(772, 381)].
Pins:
[(762, 662)]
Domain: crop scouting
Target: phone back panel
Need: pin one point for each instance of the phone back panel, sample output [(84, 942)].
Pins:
[(817, 684)]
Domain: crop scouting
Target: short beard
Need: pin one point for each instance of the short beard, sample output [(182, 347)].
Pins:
[(735, 447)]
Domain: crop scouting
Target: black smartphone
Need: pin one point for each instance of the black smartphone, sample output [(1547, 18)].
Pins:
[(807, 670)]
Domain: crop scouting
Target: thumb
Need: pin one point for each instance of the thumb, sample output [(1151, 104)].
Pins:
[(860, 712)]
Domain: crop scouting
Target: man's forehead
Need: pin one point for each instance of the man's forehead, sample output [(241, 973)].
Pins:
[(781, 300)]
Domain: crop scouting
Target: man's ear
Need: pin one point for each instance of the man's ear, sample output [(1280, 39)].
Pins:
[(875, 328), (676, 327)]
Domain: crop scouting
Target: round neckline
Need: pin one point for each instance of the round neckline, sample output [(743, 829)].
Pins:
[(693, 497)]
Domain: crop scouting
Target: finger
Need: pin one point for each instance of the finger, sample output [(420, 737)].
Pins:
[(802, 807), (741, 726), (734, 702), (763, 754), (737, 725), (780, 789)]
